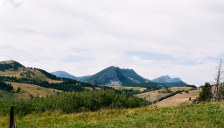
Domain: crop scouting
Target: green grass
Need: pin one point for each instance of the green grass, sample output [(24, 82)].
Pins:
[(5, 94), (210, 115)]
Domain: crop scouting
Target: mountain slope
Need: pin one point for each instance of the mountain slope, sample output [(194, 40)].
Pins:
[(64, 74), (83, 78), (114, 76)]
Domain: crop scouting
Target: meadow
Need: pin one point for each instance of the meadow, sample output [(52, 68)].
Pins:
[(203, 115)]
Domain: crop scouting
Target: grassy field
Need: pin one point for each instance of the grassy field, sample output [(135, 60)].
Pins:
[(26, 90), (5, 94), (155, 95), (34, 90), (152, 95), (210, 115), (180, 99)]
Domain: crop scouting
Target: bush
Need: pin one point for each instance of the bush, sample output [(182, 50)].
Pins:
[(6, 87)]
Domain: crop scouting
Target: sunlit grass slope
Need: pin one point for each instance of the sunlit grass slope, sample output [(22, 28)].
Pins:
[(157, 94), (27, 90), (180, 99), (34, 90), (210, 115), (25, 72)]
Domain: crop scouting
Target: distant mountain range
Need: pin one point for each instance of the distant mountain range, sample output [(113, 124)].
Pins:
[(115, 76), (64, 74), (166, 79), (170, 82)]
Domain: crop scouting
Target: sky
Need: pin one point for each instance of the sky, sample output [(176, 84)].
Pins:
[(180, 38)]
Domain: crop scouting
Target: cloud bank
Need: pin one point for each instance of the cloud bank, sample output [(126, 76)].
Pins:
[(181, 38)]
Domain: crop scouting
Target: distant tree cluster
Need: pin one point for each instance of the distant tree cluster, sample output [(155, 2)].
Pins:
[(192, 86), (6, 87), (152, 88), (14, 66), (66, 85), (71, 102)]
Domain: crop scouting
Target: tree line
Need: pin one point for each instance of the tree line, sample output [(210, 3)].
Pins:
[(66, 85), (70, 102), (6, 87)]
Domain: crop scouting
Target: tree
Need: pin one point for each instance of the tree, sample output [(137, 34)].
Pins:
[(6, 87), (218, 89), (18, 89), (206, 93)]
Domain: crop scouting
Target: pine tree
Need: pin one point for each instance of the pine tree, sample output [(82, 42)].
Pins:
[(206, 93)]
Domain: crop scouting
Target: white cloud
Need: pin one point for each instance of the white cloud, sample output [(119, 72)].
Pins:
[(97, 33)]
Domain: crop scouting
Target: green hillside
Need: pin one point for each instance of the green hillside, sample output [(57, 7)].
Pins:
[(12, 71), (209, 115)]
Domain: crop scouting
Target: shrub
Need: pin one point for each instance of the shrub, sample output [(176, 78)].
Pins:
[(70, 102)]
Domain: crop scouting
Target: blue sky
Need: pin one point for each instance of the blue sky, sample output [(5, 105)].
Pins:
[(181, 38)]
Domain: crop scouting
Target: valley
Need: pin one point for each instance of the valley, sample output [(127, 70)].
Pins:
[(110, 96), (33, 82)]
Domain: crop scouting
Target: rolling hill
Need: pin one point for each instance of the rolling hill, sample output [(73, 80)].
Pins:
[(156, 95), (180, 99), (13, 71)]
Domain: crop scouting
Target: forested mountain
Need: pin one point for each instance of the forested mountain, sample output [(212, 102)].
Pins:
[(115, 76)]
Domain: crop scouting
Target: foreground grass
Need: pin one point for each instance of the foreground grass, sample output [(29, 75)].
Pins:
[(210, 115)]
